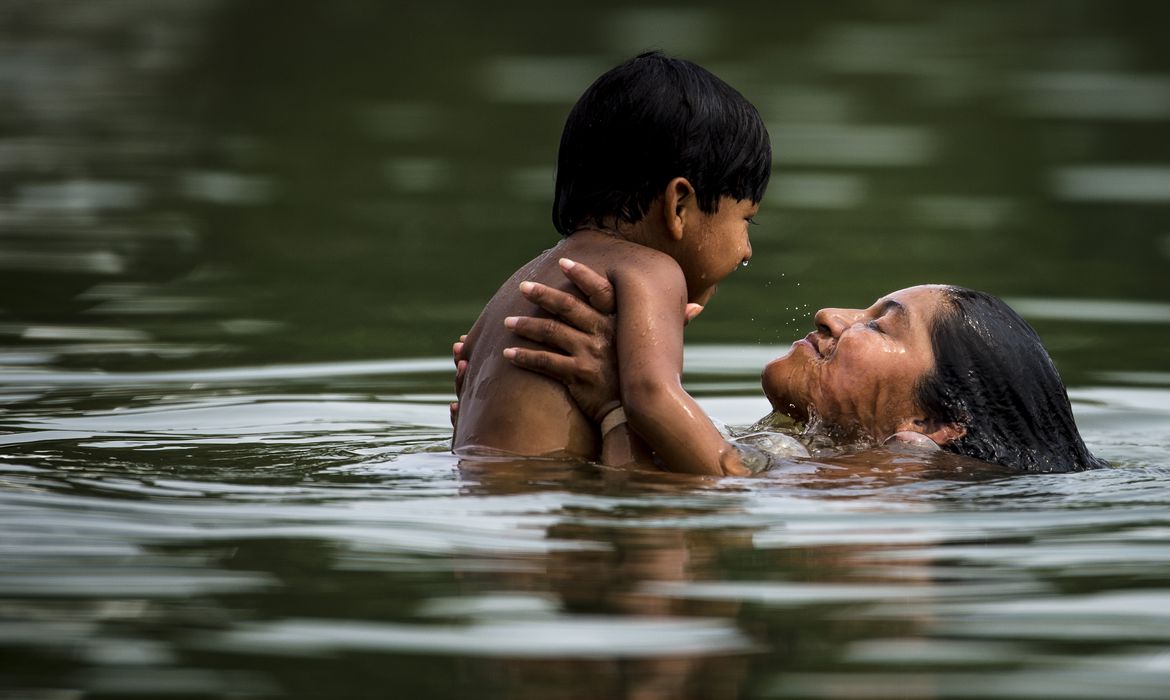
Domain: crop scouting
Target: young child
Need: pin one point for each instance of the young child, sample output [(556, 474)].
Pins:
[(661, 168)]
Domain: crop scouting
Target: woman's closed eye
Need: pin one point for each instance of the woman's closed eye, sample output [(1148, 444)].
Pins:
[(873, 325)]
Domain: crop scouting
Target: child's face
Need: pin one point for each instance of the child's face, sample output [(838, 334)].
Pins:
[(716, 246)]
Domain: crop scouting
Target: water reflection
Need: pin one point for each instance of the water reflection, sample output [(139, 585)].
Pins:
[(213, 215), (822, 145), (1096, 95), (896, 130), (85, 160), (1132, 184), (297, 539)]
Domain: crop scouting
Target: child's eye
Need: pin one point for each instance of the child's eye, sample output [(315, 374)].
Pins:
[(752, 221)]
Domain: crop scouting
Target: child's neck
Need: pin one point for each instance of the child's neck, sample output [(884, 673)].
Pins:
[(642, 232)]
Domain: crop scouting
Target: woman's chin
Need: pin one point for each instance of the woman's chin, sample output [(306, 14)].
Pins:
[(781, 380), (790, 406), (776, 421)]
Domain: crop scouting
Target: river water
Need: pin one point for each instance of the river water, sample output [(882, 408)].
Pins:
[(237, 240)]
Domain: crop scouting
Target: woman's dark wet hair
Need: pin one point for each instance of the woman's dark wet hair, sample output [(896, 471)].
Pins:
[(646, 122), (993, 376)]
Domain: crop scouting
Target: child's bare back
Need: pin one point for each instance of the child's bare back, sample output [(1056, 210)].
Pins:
[(510, 410)]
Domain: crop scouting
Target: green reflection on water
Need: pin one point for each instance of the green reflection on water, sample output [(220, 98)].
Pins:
[(353, 182), (194, 185)]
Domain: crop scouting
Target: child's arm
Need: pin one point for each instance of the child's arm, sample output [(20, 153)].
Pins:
[(651, 299)]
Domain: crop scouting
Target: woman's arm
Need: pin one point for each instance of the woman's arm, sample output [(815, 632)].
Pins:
[(582, 332)]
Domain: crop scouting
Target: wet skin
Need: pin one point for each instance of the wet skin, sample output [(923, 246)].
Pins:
[(673, 256), (858, 370)]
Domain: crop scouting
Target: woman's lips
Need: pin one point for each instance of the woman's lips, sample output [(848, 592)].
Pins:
[(811, 340)]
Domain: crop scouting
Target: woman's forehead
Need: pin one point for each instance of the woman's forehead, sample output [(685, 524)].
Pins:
[(913, 306), (917, 298)]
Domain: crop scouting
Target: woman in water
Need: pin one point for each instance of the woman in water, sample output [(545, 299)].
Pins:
[(936, 366)]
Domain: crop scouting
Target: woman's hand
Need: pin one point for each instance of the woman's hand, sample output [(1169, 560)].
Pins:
[(460, 373), (582, 332)]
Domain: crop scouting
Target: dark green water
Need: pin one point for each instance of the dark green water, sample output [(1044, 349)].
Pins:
[(237, 240)]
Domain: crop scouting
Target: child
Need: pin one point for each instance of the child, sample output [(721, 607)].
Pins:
[(661, 168)]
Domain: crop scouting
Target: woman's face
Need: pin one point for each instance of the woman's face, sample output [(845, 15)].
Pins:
[(858, 370)]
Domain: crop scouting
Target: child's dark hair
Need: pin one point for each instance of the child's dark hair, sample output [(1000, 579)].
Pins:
[(650, 120)]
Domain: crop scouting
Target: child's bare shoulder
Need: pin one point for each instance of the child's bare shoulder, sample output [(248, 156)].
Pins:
[(624, 256), (639, 265), (622, 261)]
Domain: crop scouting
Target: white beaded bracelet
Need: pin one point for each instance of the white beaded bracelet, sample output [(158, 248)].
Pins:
[(612, 420)]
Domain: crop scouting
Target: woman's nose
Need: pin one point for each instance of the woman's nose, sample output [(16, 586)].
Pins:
[(834, 321)]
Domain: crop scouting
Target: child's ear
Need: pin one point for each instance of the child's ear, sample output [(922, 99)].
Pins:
[(679, 206)]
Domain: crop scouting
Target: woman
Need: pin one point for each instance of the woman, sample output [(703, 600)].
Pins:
[(934, 365)]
